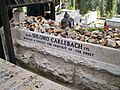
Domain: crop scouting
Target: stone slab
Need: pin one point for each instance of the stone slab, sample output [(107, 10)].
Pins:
[(114, 22), (68, 67), (13, 77), (88, 50)]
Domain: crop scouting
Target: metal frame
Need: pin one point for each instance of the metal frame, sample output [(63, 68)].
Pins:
[(7, 32), (8, 44), (52, 6)]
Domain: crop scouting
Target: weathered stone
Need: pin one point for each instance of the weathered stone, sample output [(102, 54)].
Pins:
[(64, 34), (46, 26), (82, 37), (50, 31), (13, 77), (94, 36), (56, 34), (97, 41), (100, 36), (66, 67), (58, 30), (86, 38), (67, 29), (83, 77), (103, 42), (78, 38), (82, 31), (118, 42), (110, 33), (111, 43), (91, 40), (77, 27), (117, 35), (96, 32), (72, 34), (117, 38), (87, 33), (108, 37)]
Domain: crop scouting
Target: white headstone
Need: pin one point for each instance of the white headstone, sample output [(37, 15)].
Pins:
[(90, 17)]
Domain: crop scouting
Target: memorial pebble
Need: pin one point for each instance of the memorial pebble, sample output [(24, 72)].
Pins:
[(109, 38)]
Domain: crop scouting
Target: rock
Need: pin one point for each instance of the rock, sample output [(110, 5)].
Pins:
[(100, 36), (117, 35), (54, 23), (110, 33), (64, 34), (103, 42), (31, 29), (67, 29), (108, 37), (52, 27), (72, 34), (77, 27), (87, 33), (91, 40), (111, 43), (86, 38), (96, 32), (57, 30), (57, 24), (82, 31), (97, 41), (78, 38), (117, 30), (82, 38), (50, 31), (94, 35), (56, 34), (46, 26), (117, 38), (118, 43)]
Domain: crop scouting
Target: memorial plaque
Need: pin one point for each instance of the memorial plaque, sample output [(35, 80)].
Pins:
[(84, 49)]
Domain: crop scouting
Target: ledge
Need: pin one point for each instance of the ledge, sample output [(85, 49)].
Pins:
[(13, 77)]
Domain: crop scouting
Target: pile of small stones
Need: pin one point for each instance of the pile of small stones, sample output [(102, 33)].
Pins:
[(109, 38)]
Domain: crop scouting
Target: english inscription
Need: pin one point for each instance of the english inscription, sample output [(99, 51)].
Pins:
[(58, 43)]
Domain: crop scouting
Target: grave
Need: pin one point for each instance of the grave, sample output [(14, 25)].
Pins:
[(78, 63), (70, 61)]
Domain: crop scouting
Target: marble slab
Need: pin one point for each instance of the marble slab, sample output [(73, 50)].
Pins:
[(114, 22), (83, 49)]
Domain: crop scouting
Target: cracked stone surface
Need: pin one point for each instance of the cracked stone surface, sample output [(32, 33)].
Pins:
[(81, 72), (13, 77)]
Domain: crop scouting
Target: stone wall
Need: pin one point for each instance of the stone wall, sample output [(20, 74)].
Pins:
[(81, 72)]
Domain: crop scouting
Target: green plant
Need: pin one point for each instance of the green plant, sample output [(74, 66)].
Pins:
[(93, 29), (110, 8), (71, 8)]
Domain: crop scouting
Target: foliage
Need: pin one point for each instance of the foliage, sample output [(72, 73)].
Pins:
[(105, 7), (93, 29), (71, 8), (86, 5), (110, 8)]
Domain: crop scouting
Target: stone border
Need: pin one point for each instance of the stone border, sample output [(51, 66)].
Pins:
[(81, 72), (84, 49)]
